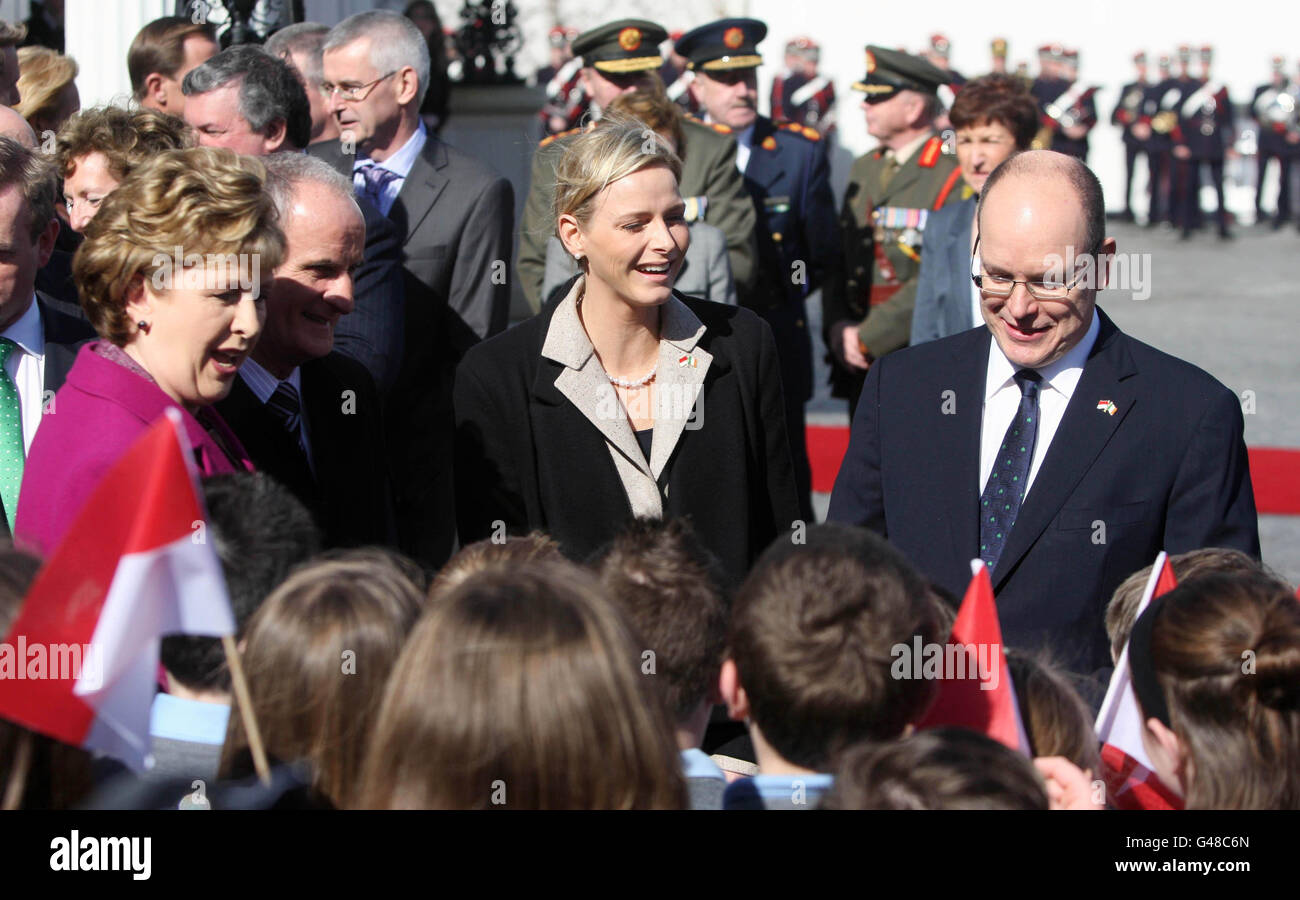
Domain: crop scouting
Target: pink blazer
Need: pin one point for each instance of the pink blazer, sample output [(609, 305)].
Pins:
[(102, 408)]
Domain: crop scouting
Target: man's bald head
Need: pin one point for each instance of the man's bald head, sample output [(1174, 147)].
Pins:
[(15, 126), (1047, 169)]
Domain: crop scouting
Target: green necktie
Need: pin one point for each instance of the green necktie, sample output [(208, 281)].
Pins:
[(11, 435)]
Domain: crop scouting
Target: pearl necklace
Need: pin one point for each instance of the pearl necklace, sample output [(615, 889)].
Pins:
[(633, 385)]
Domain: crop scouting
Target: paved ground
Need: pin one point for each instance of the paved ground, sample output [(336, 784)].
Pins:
[(1232, 308)]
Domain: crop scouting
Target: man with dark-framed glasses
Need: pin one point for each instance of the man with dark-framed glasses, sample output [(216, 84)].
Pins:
[(1058, 450)]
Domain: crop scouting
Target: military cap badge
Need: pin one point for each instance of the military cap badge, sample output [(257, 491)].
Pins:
[(629, 38)]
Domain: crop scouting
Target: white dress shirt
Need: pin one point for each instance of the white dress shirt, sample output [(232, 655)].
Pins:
[(744, 145), (399, 163), (1002, 399), (26, 366), (263, 384), (976, 298)]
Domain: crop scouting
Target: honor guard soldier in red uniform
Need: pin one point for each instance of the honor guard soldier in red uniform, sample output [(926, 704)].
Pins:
[(1203, 137), (1132, 117), (787, 175), (807, 97), (566, 101), (867, 302), (1274, 109), (1067, 106)]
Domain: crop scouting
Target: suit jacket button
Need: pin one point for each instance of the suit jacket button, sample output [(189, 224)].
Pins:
[(666, 487), (776, 236)]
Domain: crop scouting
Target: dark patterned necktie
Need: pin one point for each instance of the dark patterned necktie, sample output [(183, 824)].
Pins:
[(377, 179), (286, 406), (1006, 487)]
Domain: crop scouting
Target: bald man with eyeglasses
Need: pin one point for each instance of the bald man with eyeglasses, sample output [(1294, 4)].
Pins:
[(1058, 450)]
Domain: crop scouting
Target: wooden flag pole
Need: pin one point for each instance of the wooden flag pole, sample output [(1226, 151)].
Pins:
[(245, 703), (18, 774)]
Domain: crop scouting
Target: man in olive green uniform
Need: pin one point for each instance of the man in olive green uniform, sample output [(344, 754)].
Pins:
[(620, 57), (867, 304)]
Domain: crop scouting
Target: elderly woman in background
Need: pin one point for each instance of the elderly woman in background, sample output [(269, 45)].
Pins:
[(174, 330), (625, 399), (706, 271), (48, 88), (98, 148), (994, 117)]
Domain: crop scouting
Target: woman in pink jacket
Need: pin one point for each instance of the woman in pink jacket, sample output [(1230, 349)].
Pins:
[(169, 277)]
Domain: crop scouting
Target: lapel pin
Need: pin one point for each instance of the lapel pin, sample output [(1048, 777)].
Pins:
[(689, 361), (1107, 406)]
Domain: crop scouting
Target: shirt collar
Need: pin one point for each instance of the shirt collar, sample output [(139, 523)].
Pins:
[(904, 153), (28, 332), (262, 383), (401, 161), (567, 342), (1062, 375), (746, 137), (698, 764), (178, 719)]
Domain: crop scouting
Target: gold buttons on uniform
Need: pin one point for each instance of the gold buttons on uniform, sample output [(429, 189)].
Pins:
[(776, 236)]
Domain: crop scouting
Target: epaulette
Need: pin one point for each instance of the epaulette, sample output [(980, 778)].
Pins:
[(930, 153), (811, 134), (550, 140), (716, 126)]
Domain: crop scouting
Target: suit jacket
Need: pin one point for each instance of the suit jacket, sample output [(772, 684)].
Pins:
[(102, 408), (455, 220), (64, 335), (372, 333), (705, 273), (708, 171), (542, 444), (349, 492), (943, 289), (1166, 471)]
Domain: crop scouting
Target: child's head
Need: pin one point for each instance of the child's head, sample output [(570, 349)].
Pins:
[(809, 649), (1216, 670), (939, 768), (486, 553), (521, 688), (317, 656), (669, 588), (1122, 609), (1057, 720)]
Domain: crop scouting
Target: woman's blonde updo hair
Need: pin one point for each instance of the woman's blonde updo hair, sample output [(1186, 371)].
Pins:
[(202, 200), (43, 74), (613, 148)]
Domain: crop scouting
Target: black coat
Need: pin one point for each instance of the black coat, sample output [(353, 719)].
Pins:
[(526, 456), (349, 496)]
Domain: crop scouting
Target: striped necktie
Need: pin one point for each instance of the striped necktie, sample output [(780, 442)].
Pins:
[(11, 435), (286, 405), (377, 179)]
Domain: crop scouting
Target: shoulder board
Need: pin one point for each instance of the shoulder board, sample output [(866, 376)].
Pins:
[(803, 131), (713, 126), (546, 141), (930, 153)]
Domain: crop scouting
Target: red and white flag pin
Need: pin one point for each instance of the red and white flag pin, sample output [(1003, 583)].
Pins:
[(689, 361), (1107, 406)]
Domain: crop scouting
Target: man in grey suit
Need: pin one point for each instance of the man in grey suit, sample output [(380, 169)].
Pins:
[(455, 221)]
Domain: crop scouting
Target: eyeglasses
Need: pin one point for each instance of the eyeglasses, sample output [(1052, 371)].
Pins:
[(1002, 286), (353, 92)]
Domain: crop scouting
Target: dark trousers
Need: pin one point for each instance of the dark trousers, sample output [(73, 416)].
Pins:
[(1158, 186), (1191, 192), (1131, 152), (1284, 185), (794, 351)]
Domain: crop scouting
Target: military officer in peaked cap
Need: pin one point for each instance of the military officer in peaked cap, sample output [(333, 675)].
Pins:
[(867, 301), (619, 57), (788, 178)]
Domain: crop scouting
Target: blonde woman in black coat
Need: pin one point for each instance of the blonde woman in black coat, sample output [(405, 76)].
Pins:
[(625, 399)]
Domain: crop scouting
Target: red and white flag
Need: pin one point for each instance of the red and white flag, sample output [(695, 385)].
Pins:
[(134, 566), (983, 701), (1129, 775)]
